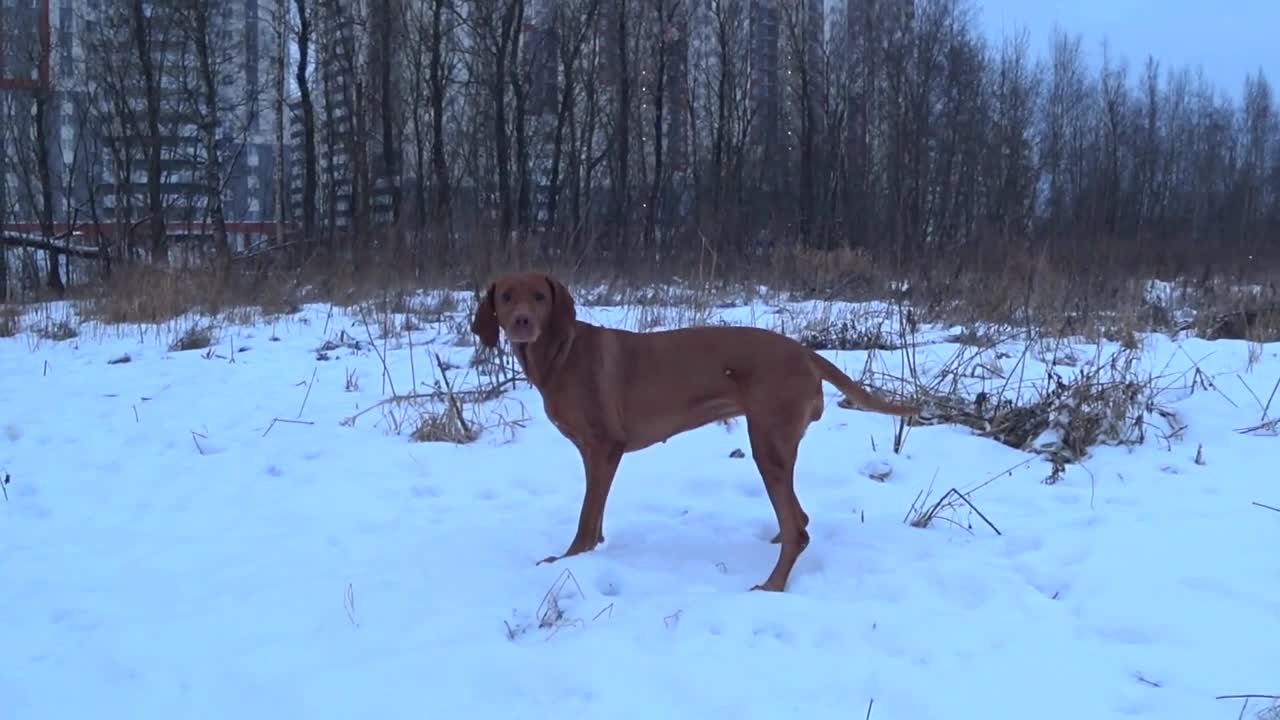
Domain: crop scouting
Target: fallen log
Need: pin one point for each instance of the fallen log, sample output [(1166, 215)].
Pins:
[(36, 243)]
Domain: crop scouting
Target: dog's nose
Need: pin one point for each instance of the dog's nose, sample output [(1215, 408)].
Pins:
[(522, 321)]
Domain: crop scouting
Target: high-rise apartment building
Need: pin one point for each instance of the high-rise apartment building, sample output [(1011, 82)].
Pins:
[(96, 110), (870, 24), (346, 56), (777, 31)]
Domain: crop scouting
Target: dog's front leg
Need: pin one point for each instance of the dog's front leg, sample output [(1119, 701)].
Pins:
[(600, 463)]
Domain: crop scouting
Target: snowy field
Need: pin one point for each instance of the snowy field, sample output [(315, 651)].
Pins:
[(209, 534)]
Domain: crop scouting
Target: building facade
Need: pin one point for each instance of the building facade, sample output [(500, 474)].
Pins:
[(96, 116)]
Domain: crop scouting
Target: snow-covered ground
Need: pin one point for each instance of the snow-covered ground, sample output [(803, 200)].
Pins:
[(168, 551)]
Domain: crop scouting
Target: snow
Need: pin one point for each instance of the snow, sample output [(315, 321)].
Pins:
[(169, 551)]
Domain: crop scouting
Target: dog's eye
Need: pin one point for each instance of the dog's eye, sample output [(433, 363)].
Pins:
[(506, 296), (539, 296)]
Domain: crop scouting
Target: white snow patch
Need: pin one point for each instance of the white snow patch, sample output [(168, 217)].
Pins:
[(168, 551)]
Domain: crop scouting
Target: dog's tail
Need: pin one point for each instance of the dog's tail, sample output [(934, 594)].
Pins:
[(854, 394)]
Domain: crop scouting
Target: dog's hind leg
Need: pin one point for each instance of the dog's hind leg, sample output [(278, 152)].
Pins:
[(775, 435)]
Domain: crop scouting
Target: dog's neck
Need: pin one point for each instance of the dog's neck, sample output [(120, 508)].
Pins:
[(543, 358)]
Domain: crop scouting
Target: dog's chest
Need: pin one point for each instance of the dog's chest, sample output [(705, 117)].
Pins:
[(578, 417), (555, 413)]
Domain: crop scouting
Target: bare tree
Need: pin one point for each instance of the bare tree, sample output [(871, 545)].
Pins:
[(662, 32), (620, 181), (440, 63), (303, 37), (280, 22), (1009, 172), (196, 26), (148, 30), (801, 45), (384, 53), (900, 130), (495, 26), (428, 58), (1256, 153), (575, 22)]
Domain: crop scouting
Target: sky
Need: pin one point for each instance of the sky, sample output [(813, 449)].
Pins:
[(1227, 44)]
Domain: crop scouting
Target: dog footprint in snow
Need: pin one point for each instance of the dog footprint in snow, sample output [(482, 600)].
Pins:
[(877, 470), (1020, 545), (424, 491), (773, 630), (608, 584)]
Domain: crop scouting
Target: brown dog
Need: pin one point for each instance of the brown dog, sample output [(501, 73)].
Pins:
[(612, 392)]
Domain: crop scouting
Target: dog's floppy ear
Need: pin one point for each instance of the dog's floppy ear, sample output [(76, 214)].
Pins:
[(485, 322), (563, 312)]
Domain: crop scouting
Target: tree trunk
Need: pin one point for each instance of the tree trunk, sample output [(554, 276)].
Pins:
[(439, 164), (622, 140), (391, 149), (519, 95), (659, 102), (142, 26), (53, 276), (309, 161), (209, 134), (278, 176)]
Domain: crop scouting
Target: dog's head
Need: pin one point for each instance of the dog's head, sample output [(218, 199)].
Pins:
[(526, 306)]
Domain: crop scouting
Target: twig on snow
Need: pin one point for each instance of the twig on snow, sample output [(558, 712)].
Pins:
[(349, 604), (966, 500), (285, 420), (308, 393), (470, 396), (451, 396)]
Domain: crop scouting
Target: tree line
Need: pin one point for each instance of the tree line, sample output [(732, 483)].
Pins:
[(651, 130)]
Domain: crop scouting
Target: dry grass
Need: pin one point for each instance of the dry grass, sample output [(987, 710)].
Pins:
[(58, 330), (197, 336), (552, 615), (149, 295), (844, 334), (1109, 401), (1014, 290), (844, 273), (948, 507), (1255, 324), (10, 320), (446, 413), (342, 341), (1062, 417), (459, 417), (145, 294)]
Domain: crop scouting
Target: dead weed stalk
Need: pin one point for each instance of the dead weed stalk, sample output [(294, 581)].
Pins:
[(1109, 402), (446, 413), (552, 613)]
